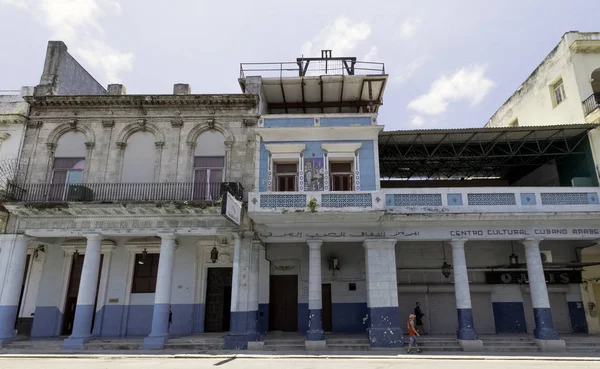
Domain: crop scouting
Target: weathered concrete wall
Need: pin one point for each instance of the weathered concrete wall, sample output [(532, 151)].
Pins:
[(175, 129), (63, 75)]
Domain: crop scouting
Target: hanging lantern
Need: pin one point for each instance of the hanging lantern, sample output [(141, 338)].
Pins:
[(513, 259), (214, 254), (142, 260), (446, 269), (75, 255)]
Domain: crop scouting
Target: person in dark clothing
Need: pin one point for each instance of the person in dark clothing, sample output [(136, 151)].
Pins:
[(419, 319)]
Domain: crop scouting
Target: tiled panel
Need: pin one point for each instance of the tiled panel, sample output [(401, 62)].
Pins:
[(434, 199), (569, 198), (283, 201), (491, 199), (357, 200)]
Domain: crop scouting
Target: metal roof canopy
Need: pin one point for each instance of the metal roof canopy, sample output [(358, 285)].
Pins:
[(504, 152), (319, 85)]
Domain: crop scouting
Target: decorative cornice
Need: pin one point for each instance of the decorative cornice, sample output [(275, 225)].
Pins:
[(176, 123), (4, 136), (135, 101), (249, 122), (108, 123)]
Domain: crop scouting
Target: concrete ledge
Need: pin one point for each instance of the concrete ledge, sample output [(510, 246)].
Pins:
[(5, 341), (154, 343), (74, 343), (471, 345), (316, 345), (551, 345), (255, 345)]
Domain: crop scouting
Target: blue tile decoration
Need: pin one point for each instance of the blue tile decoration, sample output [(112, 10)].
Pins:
[(568, 198), (283, 201), (406, 199), (455, 199), (528, 199), (491, 199), (339, 200)]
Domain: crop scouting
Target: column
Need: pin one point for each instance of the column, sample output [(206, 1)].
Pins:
[(86, 297), (466, 329), (315, 336), (385, 329), (237, 338), (11, 293), (159, 334), (253, 331), (544, 328)]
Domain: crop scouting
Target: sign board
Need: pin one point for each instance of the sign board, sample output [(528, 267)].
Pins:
[(521, 277), (231, 208)]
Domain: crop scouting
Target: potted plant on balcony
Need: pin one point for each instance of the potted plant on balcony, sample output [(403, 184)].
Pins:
[(312, 205)]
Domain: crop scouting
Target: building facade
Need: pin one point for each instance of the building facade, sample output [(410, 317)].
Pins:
[(565, 89), (287, 209)]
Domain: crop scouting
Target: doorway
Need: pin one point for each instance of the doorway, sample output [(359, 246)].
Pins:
[(73, 292), (218, 300), (326, 306), (283, 303)]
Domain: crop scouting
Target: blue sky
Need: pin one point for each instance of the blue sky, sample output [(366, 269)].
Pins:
[(451, 64)]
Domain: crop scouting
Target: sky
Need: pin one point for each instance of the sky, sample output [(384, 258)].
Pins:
[(451, 64)]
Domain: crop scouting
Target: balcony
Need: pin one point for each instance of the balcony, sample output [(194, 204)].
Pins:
[(428, 201), (120, 192), (591, 104)]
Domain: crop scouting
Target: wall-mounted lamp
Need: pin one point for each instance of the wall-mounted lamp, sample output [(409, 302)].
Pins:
[(445, 267), (142, 260), (214, 254), (334, 264), (75, 254), (513, 259)]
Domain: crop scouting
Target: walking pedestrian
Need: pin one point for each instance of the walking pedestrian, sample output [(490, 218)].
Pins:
[(412, 334), (419, 319)]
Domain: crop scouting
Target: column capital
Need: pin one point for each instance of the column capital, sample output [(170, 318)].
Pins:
[(531, 241), (257, 243), (167, 236), (93, 236), (379, 243), (458, 242), (24, 238), (314, 244)]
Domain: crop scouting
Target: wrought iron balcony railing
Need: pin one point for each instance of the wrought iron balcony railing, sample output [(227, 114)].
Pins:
[(591, 103), (120, 192)]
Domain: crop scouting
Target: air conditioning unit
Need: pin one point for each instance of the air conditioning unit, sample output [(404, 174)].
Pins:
[(546, 257)]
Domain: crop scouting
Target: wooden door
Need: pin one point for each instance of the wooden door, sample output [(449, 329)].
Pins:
[(283, 303), (218, 300), (73, 292), (326, 312)]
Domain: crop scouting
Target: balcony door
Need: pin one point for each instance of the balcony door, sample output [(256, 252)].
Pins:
[(208, 175), (66, 172)]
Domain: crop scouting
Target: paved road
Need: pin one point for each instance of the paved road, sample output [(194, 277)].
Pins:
[(240, 363)]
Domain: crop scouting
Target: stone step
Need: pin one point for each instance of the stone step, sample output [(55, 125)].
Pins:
[(583, 349), (36, 345), (339, 341), (284, 348), (510, 344), (194, 346), (439, 348), (348, 347), (511, 349), (113, 345)]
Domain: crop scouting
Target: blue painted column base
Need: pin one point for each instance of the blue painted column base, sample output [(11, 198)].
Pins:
[(154, 343), (385, 330), (544, 328), (253, 330), (235, 341), (315, 330), (8, 315), (237, 338), (466, 329), (75, 343)]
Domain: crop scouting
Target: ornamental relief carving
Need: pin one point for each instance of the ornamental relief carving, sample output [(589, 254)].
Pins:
[(126, 223)]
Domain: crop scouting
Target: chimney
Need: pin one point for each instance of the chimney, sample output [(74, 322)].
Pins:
[(181, 89), (116, 89)]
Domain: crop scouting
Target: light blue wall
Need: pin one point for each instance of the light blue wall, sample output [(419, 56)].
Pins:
[(323, 122), (48, 317), (313, 148), (344, 122), (290, 122)]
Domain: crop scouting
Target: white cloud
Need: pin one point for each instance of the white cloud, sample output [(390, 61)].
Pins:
[(405, 72), (101, 56), (340, 37), (417, 120), (468, 83), (371, 55), (76, 22), (409, 28)]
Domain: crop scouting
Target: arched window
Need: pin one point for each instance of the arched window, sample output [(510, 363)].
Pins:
[(68, 165), (139, 158), (209, 165), (69, 158)]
